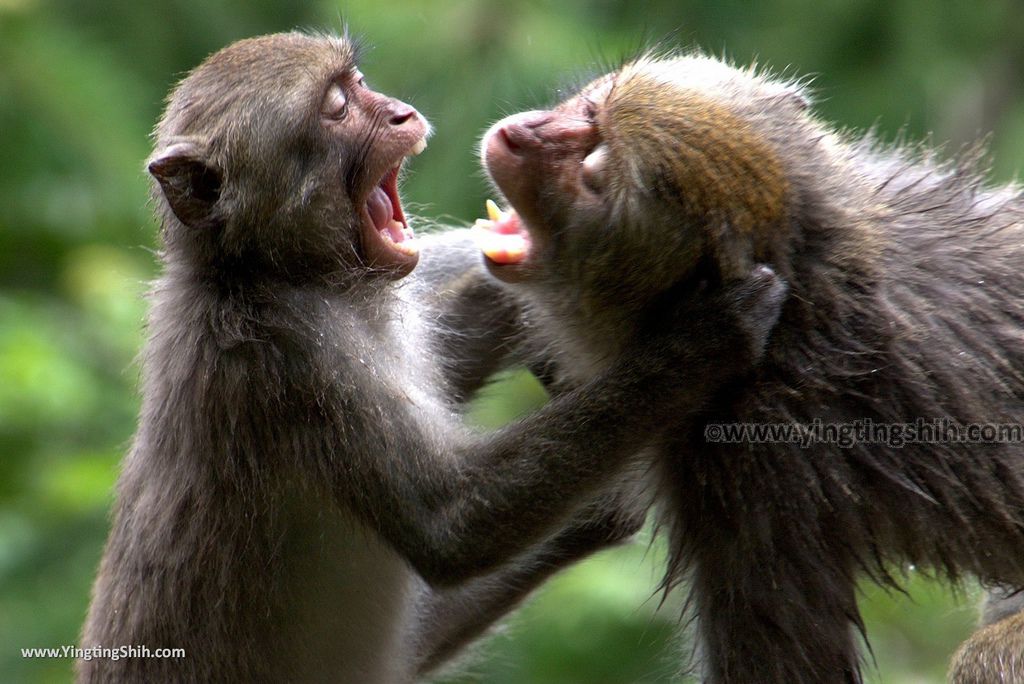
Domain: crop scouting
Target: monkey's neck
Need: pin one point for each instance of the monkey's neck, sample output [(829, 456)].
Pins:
[(268, 332), (252, 266), (585, 338)]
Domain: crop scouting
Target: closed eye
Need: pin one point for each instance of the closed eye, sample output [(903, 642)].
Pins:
[(594, 169), (335, 105)]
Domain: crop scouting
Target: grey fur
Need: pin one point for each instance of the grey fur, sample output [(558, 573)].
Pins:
[(301, 501)]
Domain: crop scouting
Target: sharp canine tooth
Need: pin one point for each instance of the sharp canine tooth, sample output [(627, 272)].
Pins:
[(493, 212), (420, 145)]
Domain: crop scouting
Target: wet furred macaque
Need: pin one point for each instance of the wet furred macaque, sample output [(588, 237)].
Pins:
[(302, 501), (905, 302)]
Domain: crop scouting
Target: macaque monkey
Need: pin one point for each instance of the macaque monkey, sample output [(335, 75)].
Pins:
[(905, 304), (302, 501)]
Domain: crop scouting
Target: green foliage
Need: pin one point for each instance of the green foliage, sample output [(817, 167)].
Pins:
[(81, 83)]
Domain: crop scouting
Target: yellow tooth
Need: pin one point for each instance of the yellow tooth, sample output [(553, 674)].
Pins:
[(516, 253), (407, 247), (493, 212)]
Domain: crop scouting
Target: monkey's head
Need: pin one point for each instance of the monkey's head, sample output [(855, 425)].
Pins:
[(274, 157), (659, 171)]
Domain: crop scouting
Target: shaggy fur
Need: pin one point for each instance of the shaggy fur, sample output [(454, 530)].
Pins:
[(906, 302), (301, 501)]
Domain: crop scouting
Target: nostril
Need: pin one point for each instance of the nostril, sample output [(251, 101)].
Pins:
[(538, 120), (511, 144), (401, 114)]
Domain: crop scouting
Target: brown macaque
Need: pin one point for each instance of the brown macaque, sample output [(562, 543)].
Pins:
[(905, 304), (302, 501)]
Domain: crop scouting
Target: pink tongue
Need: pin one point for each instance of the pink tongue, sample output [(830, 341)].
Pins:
[(379, 206)]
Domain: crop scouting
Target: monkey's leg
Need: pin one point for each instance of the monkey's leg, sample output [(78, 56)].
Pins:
[(995, 653), (771, 613)]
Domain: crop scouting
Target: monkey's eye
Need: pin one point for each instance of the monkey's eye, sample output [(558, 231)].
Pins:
[(360, 79), (335, 103), (594, 169), (590, 111)]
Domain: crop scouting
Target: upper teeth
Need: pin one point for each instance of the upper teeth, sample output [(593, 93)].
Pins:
[(420, 145), (493, 212)]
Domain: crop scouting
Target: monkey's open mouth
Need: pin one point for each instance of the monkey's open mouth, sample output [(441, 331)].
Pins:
[(502, 237), (385, 212), (388, 241)]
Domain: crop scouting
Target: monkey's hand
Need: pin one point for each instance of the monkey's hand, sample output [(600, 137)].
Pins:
[(610, 519)]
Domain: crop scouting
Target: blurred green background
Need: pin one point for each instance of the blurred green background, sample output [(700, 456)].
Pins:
[(81, 83)]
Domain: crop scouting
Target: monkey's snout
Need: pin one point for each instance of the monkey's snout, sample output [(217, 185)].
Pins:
[(520, 132), (510, 140), (400, 113)]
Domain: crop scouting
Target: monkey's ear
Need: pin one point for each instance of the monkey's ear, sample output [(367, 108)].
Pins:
[(189, 182)]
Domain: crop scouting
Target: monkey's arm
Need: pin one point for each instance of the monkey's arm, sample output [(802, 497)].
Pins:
[(458, 510), (479, 332), (449, 619)]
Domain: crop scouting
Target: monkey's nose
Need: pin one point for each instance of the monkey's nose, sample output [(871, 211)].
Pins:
[(522, 130), (510, 140), (536, 119), (401, 113)]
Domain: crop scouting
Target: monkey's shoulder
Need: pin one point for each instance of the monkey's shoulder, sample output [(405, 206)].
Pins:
[(294, 345)]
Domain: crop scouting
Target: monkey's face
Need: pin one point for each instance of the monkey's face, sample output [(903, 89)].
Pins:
[(275, 154), (637, 180), (373, 133)]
